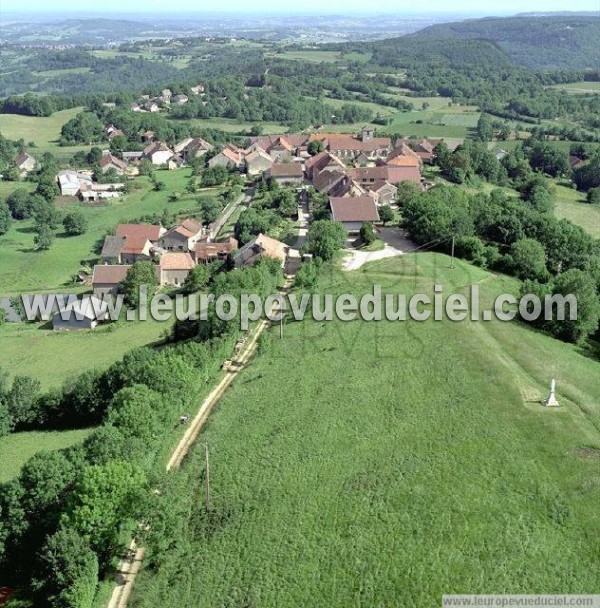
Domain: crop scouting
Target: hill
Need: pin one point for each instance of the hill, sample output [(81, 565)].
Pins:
[(384, 464), (538, 42), (408, 51)]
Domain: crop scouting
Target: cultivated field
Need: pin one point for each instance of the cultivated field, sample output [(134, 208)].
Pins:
[(406, 460)]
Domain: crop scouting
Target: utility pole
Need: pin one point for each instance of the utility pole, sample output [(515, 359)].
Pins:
[(453, 243), (207, 496), (281, 327)]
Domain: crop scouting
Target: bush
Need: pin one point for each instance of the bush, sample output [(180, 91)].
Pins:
[(367, 233), (326, 238), (75, 223)]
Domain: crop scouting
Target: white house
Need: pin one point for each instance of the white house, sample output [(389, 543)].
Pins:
[(158, 153)]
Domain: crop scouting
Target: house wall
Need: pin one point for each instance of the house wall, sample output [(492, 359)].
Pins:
[(72, 324), (289, 181), (173, 277), (105, 289), (258, 166), (161, 158)]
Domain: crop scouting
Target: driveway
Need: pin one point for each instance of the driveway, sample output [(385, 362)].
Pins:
[(396, 244)]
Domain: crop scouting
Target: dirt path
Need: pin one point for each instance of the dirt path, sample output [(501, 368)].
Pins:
[(396, 244), (128, 569)]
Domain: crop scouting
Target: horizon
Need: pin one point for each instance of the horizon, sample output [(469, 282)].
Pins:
[(308, 7)]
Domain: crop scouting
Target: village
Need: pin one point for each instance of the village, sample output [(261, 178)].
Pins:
[(358, 174)]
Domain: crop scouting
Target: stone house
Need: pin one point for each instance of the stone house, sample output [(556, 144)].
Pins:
[(182, 237), (353, 212), (175, 267), (106, 279)]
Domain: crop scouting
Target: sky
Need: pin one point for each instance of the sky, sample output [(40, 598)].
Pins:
[(491, 7)]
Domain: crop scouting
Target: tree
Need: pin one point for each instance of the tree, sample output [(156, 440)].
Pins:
[(47, 188), (593, 196), (529, 259), (44, 238), (22, 204), (316, 147), (583, 286), (75, 223), (407, 191), (367, 233), (325, 238), (22, 400), (5, 218), (197, 279), (214, 176), (485, 128), (141, 274), (103, 497), (386, 214), (85, 128), (210, 209), (68, 573)]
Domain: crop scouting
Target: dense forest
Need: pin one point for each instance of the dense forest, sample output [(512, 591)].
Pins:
[(536, 42)]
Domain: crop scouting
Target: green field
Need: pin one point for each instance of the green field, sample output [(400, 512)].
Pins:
[(24, 270), (572, 205), (230, 125), (579, 88), (18, 448), (32, 349), (312, 56), (43, 131), (385, 464)]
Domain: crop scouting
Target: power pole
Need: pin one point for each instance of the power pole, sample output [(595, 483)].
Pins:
[(453, 243), (207, 496), (281, 328)]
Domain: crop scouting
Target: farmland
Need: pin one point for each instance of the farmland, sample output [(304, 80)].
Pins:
[(375, 464), (42, 131), (572, 205)]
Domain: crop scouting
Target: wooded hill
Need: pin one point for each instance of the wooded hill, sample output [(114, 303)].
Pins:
[(538, 42)]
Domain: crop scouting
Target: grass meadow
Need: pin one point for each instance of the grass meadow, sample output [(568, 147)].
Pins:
[(385, 464), (571, 204), (16, 449), (42, 131)]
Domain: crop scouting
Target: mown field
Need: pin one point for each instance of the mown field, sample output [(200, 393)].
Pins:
[(572, 205), (18, 448), (385, 464), (42, 131), (24, 270)]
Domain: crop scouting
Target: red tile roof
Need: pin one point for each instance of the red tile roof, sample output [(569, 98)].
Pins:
[(176, 261), (109, 275), (286, 170), (354, 209), (152, 233)]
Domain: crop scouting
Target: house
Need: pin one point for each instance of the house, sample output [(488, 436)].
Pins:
[(176, 162), (133, 157), (322, 162), (281, 150), (197, 90), (25, 163), (47, 305), (403, 161), (180, 99), (70, 182), (158, 153), (346, 187), (114, 134), (349, 147), (297, 142), (230, 156), (99, 192), (111, 249), (174, 267), (287, 174), (151, 106), (182, 237), (166, 94), (383, 193), (258, 162), (148, 136), (258, 247), (106, 279), (353, 212), (147, 231), (367, 176), (575, 162), (499, 153), (182, 145), (112, 162), (205, 252), (135, 107), (196, 149), (80, 314)]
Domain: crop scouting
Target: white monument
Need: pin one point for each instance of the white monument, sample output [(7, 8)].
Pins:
[(552, 401)]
